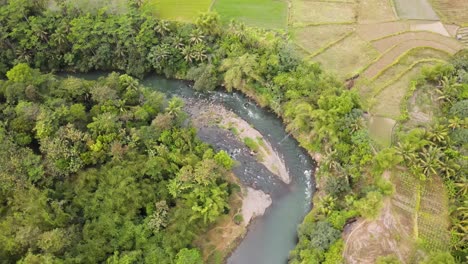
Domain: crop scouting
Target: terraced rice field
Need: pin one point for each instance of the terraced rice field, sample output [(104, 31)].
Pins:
[(305, 12), (369, 88), (314, 38), (388, 101), (346, 57), (373, 11), (260, 13), (180, 10), (452, 11), (387, 58), (415, 9)]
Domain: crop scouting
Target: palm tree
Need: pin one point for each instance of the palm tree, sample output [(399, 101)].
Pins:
[(196, 37), (178, 42), (407, 152), (448, 89), (438, 135), (162, 27), (239, 71), (430, 160), (199, 53), (175, 106), (159, 55), (188, 54)]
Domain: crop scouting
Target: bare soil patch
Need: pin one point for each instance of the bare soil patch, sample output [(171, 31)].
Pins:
[(433, 26)]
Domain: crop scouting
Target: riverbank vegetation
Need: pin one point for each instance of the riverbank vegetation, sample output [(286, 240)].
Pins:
[(318, 110), (438, 149), (102, 171)]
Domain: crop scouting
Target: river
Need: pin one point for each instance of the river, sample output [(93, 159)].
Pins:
[(272, 236)]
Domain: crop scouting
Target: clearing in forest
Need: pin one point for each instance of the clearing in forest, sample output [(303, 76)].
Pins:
[(180, 10), (259, 13)]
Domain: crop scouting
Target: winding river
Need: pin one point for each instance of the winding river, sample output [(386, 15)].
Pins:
[(272, 236)]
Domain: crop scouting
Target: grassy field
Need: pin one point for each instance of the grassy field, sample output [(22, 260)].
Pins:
[(452, 11), (180, 10), (260, 13)]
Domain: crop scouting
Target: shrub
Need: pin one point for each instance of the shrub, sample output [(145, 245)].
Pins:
[(335, 254), (251, 144), (439, 257), (369, 207), (238, 219), (390, 259), (320, 234), (336, 186)]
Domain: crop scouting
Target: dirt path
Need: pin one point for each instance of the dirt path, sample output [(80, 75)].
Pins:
[(386, 43), (389, 57)]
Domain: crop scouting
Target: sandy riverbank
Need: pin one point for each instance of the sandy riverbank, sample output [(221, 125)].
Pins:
[(254, 204), (217, 115)]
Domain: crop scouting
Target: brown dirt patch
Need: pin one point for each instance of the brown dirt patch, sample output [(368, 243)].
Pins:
[(388, 58), (386, 43), (390, 234)]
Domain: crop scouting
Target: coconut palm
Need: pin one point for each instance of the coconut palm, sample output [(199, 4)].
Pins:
[(438, 135), (448, 89), (196, 37), (162, 28), (199, 53), (407, 152), (178, 42), (175, 106), (239, 71), (430, 160)]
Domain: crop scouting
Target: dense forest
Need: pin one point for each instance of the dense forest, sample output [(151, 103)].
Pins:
[(108, 171), (102, 171)]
